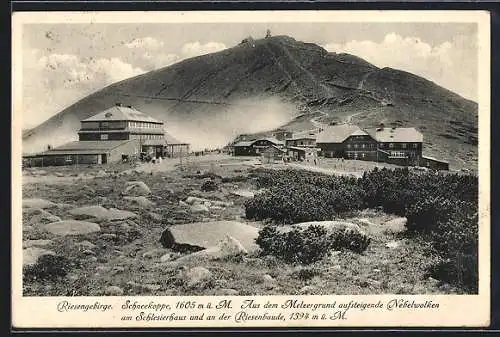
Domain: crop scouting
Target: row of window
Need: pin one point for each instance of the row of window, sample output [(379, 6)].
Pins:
[(398, 154), (356, 155), (144, 125), (361, 146), (147, 137), (403, 145)]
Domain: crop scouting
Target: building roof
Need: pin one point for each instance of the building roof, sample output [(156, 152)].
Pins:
[(87, 147), (154, 142), (173, 141), (337, 133), (303, 149), (269, 148), (121, 113), (396, 135), (435, 159), (310, 134), (243, 143), (270, 139)]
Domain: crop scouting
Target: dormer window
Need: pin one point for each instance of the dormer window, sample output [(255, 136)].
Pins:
[(108, 115)]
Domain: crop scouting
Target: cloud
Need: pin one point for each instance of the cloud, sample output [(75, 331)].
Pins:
[(152, 61), (145, 43), (451, 64), (192, 49), (51, 82)]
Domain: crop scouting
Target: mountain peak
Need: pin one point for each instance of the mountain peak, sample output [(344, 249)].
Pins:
[(210, 98)]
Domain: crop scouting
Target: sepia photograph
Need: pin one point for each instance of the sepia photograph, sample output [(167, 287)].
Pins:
[(249, 157)]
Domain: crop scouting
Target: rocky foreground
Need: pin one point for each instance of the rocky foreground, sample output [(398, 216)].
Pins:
[(184, 233)]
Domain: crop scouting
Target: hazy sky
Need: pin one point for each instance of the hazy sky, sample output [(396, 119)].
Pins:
[(65, 62)]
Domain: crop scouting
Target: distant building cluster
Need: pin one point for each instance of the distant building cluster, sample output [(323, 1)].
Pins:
[(115, 134), (393, 145)]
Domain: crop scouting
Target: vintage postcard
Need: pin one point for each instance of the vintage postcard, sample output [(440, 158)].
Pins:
[(251, 169)]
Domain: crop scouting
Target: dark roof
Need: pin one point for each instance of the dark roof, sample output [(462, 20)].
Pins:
[(304, 149), (87, 147), (396, 135), (121, 113), (337, 133), (435, 159)]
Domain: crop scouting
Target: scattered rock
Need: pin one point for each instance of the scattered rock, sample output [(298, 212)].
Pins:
[(229, 246), (183, 204), (195, 275), (99, 213), (37, 203), (243, 193), (32, 254), (226, 292), (95, 211), (136, 188), (101, 174), (37, 243), (191, 200), (140, 201), (113, 291), (153, 253), (396, 225), (40, 216), (167, 257), (307, 290), (365, 222), (209, 234), (85, 245), (198, 208), (118, 214), (155, 217), (88, 252), (108, 236), (71, 227), (393, 244), (269, 281)]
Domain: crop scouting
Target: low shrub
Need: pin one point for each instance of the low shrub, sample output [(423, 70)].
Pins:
[(48, 267), (209, 186), (307, 245)]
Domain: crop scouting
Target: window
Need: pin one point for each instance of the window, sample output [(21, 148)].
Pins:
[(391, 145), (104, 125), (104, 136), (363, 155), (403, 145), (355, 146), (415, 145), (348, 146), (363, 146)]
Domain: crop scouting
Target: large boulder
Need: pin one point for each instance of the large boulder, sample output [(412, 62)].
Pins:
[(136, 188), (37, 203), (32, 254), (99, 213), (71, 227), (37, 243), (202, 235), (227, 247), (39, 216), (95, 211)]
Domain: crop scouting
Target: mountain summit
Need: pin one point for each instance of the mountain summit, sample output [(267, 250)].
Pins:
[(259, 85)]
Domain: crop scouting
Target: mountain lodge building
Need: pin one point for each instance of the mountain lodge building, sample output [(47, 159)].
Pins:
[(110, 136)]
